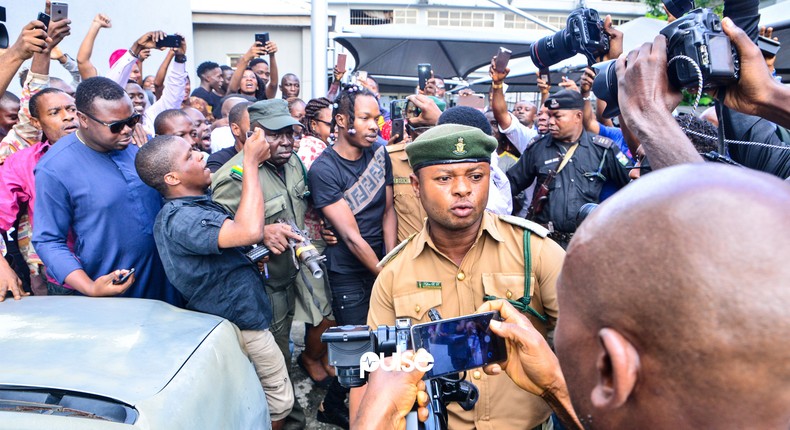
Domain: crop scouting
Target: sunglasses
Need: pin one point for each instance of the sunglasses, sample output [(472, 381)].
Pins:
[(117, 126)]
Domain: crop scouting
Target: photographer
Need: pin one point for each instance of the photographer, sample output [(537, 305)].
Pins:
[(462, 254), (199, 243), (622, 361)]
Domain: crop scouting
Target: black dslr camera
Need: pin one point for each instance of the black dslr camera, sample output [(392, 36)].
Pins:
[(697, 37), (583, 34)]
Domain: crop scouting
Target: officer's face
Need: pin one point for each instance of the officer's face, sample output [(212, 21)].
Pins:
[(564, 124), (454, 195)]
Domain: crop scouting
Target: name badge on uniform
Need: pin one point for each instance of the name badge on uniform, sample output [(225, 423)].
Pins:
[(553, 160), (401, 180), (429, 284)]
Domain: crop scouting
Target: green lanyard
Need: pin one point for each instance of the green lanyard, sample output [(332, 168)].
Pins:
[(522, 304)]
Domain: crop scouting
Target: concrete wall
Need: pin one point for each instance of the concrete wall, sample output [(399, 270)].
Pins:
[(129, 21)]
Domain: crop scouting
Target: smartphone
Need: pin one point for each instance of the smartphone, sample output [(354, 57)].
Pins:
[(262, 38), (59, 11), (397, 128), (170, 41), (769, 47), (397, 108), (341, 61), (545, 75), (459, 344), (502, 58), (362, 76), (44, 18), (423, 74), (124, 278)]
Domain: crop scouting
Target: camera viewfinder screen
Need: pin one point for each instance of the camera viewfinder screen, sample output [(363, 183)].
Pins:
[(459, 344), (720, 56)]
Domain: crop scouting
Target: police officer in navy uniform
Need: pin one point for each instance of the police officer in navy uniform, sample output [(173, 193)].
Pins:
[(579, 162)]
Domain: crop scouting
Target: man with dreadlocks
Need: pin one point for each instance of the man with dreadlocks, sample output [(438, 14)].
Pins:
[(351, 184)]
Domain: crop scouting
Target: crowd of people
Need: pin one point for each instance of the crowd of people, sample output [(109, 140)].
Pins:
[(119, 184)]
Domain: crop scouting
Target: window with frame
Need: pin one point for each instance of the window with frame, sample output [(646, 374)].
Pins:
[(404, 16), (457, 18), (520, 23), (371, 17)]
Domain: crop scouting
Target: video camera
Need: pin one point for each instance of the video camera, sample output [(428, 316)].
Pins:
[(583, 34), (697, 49), (303, 251)]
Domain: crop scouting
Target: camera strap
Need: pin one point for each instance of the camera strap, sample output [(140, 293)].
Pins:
[(522, 304), (719, 106)]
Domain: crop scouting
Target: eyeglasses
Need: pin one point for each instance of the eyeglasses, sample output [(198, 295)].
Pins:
[(117, 126), (288, 136), (322, 121)]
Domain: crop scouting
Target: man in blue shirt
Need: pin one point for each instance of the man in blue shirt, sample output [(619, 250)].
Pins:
[(200, 246), (93, 214)]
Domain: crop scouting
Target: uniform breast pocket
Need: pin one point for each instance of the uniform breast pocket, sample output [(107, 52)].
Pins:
[(416, 304), (589, 183), (508, 286), (275, 207)]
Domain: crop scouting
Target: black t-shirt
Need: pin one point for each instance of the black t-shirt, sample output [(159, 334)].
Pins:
[(219, 158), (213, 100), (363, 184)]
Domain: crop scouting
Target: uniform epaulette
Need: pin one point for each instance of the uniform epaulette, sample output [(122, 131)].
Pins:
[(526, 224), (603, 142), (395, 148), (395, 251)]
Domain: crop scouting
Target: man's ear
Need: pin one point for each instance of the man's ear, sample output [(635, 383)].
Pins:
[(235, 130), (35, 123), (172, 179), (618, 370), (82, 119), (341, 120), (415, 184)]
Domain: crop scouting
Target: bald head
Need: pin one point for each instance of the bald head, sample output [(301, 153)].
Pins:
[(687, 296)]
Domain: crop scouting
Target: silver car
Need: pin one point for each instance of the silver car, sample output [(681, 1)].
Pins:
[(117, 363)]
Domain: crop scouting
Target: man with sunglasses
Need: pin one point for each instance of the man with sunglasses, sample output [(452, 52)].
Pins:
[(283, 181), (93, 214)]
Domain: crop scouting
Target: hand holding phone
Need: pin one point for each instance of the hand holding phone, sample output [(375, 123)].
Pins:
[(262, 38), (59, 11), (459, 344), (169, 41), (44, 18), (123, 278)]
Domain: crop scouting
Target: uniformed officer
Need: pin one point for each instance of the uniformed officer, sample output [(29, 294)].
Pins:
[(579, 163), (285, 189), (464, 256), (411, 215)]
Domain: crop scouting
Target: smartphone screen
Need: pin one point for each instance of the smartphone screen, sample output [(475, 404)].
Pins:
[(397, 108), (459, 344)]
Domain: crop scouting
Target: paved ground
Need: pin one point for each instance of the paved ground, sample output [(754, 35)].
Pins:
[(309, 395)]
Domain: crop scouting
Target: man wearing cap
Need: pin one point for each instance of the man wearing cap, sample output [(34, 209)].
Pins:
[(463, 256), (571, 166), (284, 185)]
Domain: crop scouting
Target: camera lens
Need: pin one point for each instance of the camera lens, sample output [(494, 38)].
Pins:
[(678, 8), (550, 50), (605, 87), (348, 377)]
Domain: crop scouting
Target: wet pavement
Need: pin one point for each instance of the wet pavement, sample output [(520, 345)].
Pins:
[(308, 395)]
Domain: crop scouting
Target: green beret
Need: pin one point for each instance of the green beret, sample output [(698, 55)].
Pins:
[(450, 143), (271, 114)]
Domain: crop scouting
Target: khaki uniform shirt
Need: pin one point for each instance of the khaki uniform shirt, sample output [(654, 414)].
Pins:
[(408, 208), (284, 198), (420, 277)]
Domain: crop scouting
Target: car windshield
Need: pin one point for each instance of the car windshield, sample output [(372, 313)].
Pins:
[(54, 402)]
